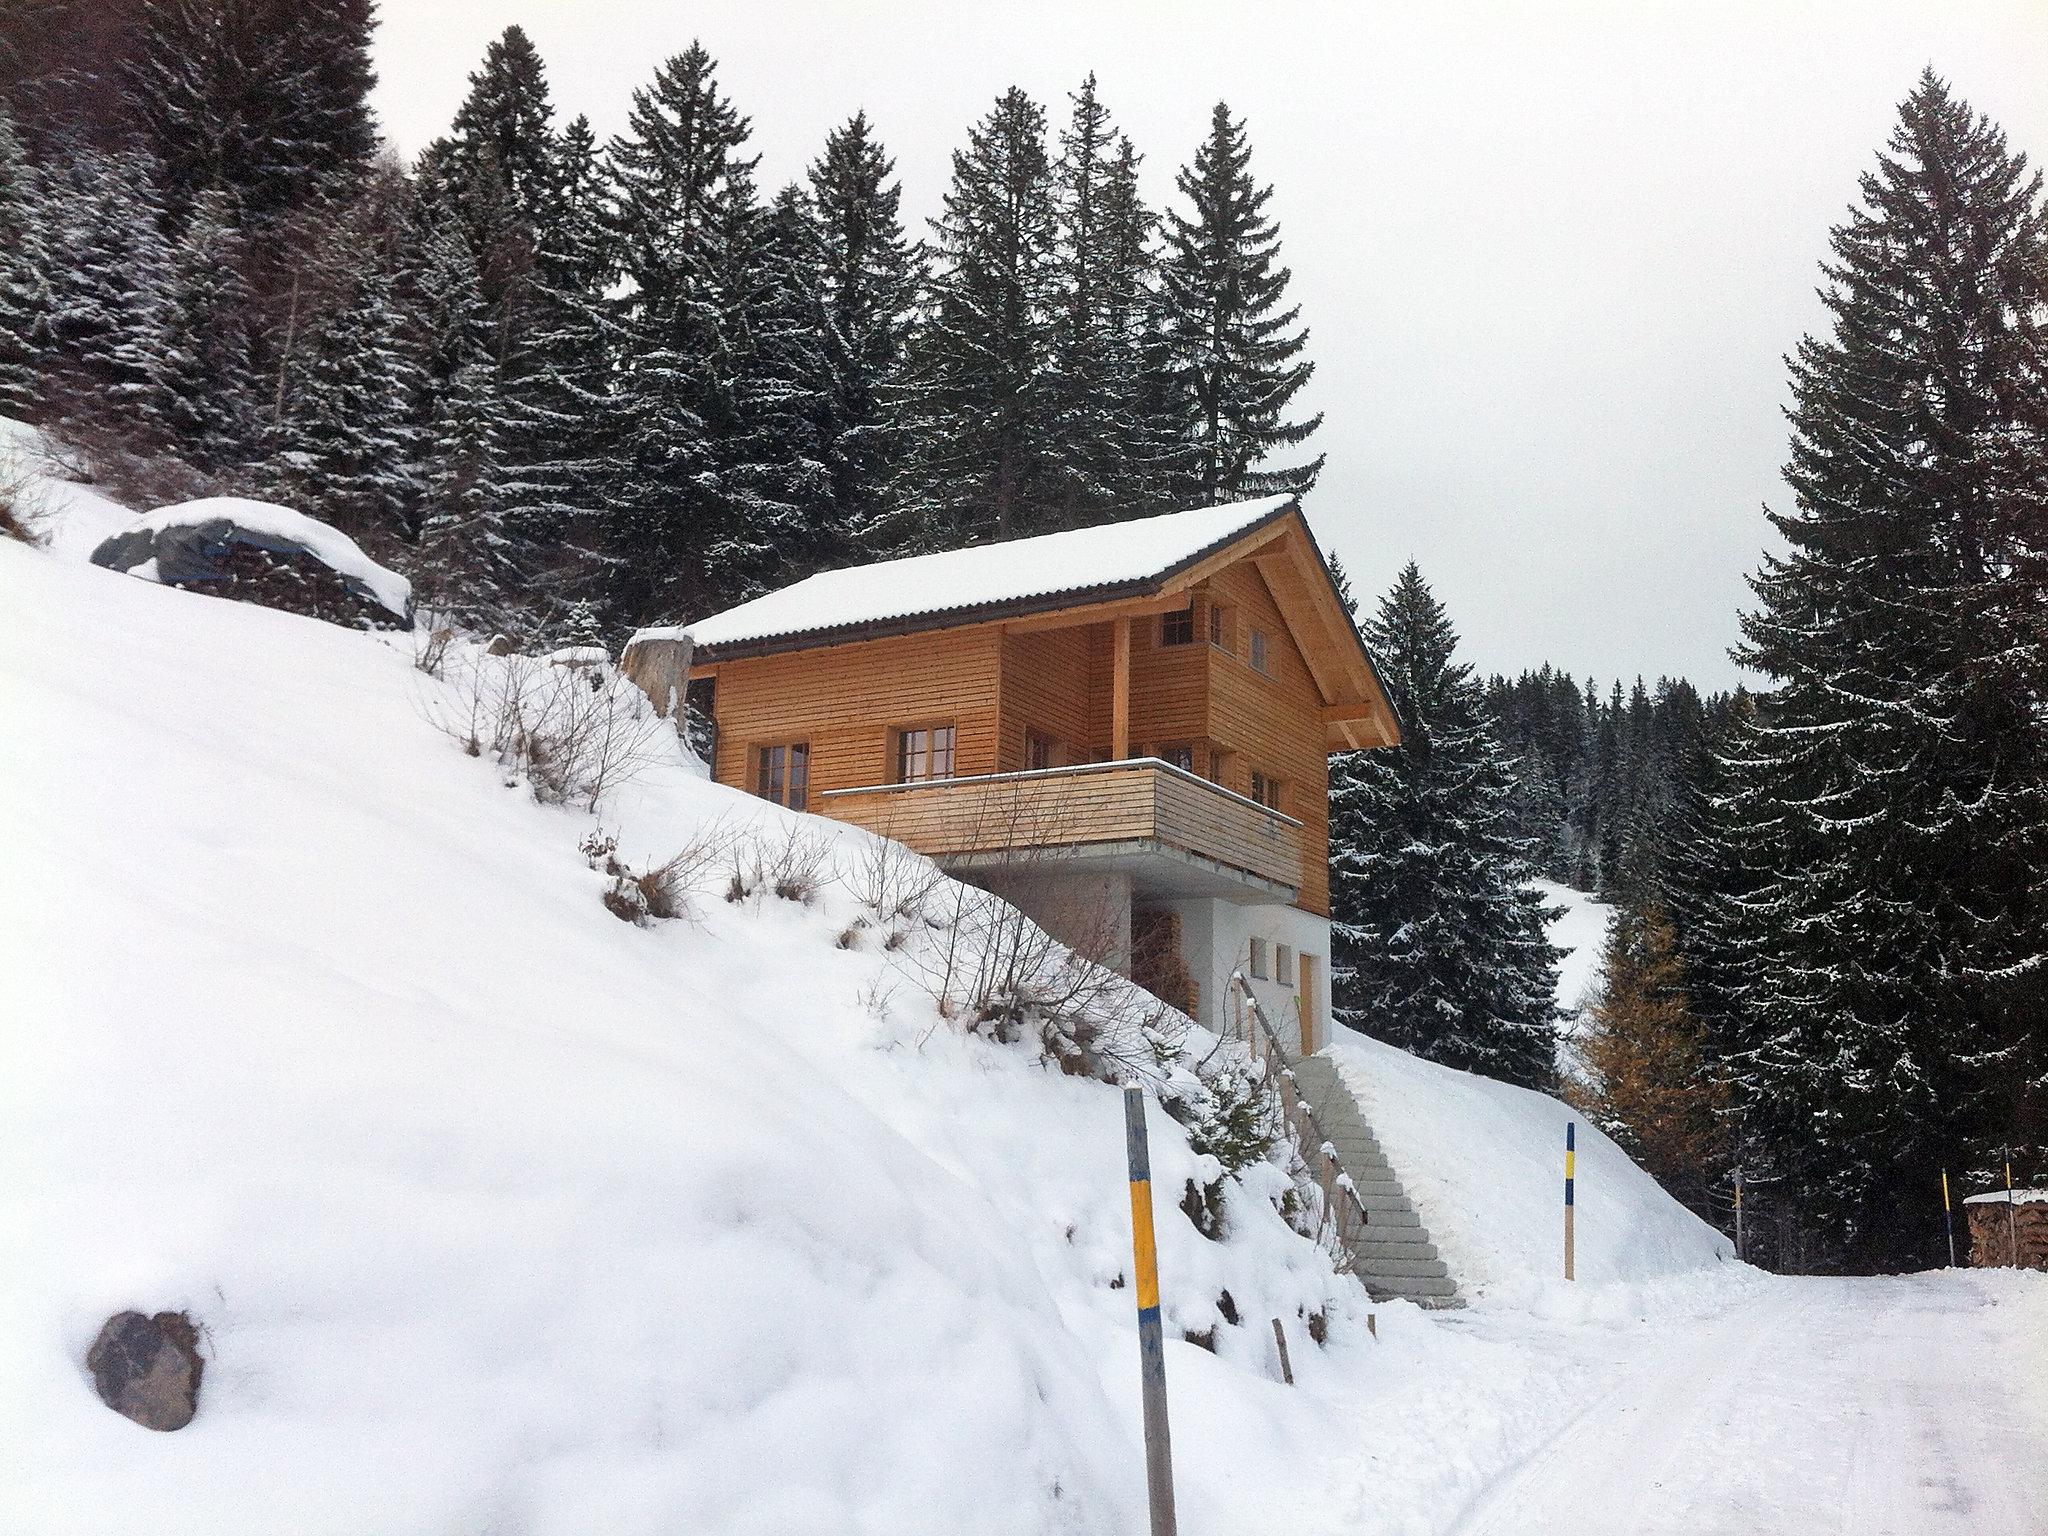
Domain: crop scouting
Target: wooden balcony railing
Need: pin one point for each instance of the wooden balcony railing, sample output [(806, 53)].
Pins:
[(1140, 800)]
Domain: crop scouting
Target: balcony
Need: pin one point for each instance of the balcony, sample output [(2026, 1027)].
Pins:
[(1175, 833)]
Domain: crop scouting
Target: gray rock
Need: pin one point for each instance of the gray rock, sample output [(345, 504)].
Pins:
[(148, 1368)]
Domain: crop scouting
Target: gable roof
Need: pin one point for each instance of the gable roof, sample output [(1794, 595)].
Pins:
[(960, 586), (1142, 563)]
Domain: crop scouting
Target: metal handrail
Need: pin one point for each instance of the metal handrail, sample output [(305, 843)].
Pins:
[(1334, 1179)]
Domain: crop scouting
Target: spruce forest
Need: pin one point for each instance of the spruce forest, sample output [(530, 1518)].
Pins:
[(572, 387)]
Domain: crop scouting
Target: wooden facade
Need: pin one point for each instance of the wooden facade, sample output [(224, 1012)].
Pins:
[(1242, 670)]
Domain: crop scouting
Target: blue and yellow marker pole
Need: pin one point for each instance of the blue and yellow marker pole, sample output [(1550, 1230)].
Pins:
[(1948, 1219), (1571, 1141), (1151, 1341)]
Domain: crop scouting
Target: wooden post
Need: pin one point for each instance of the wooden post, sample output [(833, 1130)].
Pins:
[(1570, 1156), (1948, 1219), (1280, 1338), (2012, 1231), (1151, 1341), (1738, 1213), (1120, 689)]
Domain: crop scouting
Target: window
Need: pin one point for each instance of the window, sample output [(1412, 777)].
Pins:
[(1283, 965), (1258, 650), (924, 752), (1266, 790), (1037, 751), (1220, 628), (1258, 959), (1215, 766), (1177, 628), (1180, 757), (783, 774)]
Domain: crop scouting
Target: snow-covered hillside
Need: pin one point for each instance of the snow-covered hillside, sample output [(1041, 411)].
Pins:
[(502, 1214)]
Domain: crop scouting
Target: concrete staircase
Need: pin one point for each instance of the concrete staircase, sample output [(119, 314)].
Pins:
[(1393, 1256)]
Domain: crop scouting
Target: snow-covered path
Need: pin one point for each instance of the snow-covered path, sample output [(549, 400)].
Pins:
[(1915, 1405)]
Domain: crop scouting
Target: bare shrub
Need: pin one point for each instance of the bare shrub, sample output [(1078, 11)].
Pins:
[(569, 733), (430, 648), (790, 866)]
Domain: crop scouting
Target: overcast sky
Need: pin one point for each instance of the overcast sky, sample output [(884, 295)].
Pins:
[(1551, 254)]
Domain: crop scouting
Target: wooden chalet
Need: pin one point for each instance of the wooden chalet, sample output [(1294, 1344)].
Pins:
[(1124, 729)]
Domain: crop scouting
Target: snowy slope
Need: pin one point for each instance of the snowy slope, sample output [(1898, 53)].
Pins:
[(1580, 930), (1484, 1164)]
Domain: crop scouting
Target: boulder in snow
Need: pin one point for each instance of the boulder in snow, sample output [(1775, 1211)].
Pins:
[(148, 1368), (261, 553)]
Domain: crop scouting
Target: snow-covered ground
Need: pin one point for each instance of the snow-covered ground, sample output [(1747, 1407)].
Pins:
[(502, 1215), (1580, 930)]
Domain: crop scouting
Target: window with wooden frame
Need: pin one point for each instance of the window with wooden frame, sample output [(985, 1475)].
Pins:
[(1258, 965), (1180, 755), (1215, 766), (1178, 627), (1266, 790), (1037, 751), (782, 773), (924, 753), (1283, 964), (1255, 652), (1222, 627)]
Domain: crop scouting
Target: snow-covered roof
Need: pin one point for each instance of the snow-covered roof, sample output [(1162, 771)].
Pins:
[(1023, 572), (328, 544)]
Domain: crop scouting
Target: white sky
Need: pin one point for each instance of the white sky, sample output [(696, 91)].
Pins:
[(1552, 254)]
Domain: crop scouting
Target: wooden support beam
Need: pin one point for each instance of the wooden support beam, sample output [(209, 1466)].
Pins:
[(1075, 618), (1120, 689)]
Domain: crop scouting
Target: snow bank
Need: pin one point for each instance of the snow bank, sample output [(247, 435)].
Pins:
[(1484, 1164), (502, 1214)]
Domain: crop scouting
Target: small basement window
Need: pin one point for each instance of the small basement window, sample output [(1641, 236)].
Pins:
[(782, 773), (1283, 965), (1258, 650), (1177, 628), (924, 753)]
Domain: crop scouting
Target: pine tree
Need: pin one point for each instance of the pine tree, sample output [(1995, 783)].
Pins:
[(100, 329), (21, 286), (263, 101), (1234, 351), (1901, 745), (985, 399), (868, 275), (206, 377), (1438, 939), (348, 452), (495, 176), (1103, 265), (685, 219), (784, 515)]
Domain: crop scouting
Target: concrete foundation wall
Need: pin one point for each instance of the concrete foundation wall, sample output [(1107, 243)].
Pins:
[(1089, 913), (1216, 939)]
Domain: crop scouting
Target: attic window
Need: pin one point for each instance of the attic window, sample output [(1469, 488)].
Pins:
[(1220, 627), (1177, 628), (1266, 790), (1258, 650)]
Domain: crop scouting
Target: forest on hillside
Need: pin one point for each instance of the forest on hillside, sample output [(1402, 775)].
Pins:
[(570, 387)]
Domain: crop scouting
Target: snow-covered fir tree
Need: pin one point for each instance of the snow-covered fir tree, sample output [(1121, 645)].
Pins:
[(868, 275), (1234, 343), (100, 328), (985, 400), (21, 274), (1104, 259), (266, 102), (1437, 937), (206, 376), (684, 196), (783, 523), (1901, 745)]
